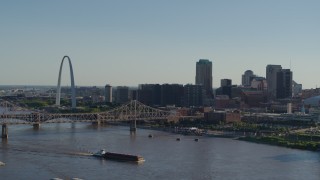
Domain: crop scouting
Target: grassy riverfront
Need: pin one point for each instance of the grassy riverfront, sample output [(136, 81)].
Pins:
[(287, 141), (279, 135)]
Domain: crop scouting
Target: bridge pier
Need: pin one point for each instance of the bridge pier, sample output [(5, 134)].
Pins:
[(36, 126), (4, 134), (133, 126), (98, 122)]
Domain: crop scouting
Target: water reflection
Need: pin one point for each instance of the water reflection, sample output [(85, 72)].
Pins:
[(4, 142)]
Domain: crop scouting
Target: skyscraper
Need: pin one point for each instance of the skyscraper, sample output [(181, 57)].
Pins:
[(150, 94), (108, 93), (296, 89), (171, 94), (284, 84), (226, 87), (193, 95), (225, 82), (122, 94), (204, 75), (271, 76)]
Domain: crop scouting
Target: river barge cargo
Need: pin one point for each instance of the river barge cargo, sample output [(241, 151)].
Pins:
[(123, 157), (118, 156)]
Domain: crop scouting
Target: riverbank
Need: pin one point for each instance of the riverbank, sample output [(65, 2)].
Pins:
[(284, 142), (293, 141)]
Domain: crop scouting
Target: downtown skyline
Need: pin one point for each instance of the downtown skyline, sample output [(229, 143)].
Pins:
[(131, 43)]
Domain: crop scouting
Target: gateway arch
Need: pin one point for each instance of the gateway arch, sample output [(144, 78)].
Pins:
[(73, 94)]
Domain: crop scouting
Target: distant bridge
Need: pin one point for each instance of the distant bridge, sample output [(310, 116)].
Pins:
[(132, 111)]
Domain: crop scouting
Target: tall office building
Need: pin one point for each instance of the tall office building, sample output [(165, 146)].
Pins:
[(271, 76), (149, 94), (193, 95), (108, 93), (284, 84), (296, 89), (225, 82), (122, 94), (226, 87), (204, 75), (171, 94)]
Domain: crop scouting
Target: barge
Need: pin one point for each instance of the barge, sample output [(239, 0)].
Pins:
[(118, 157)]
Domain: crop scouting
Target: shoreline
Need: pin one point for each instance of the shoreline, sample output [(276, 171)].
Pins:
[(280, 141), (283, 142), (271, 140)]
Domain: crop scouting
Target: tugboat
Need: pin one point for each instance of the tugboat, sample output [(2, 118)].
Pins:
[(2, 163), (100, 153), (118, 157)]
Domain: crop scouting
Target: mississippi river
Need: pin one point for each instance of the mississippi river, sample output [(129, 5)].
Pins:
[(61, 151)]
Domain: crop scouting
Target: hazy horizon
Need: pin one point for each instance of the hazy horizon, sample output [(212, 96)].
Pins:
[(136, 42)]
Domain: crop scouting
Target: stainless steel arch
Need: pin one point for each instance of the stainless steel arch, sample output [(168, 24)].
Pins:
[(73, 93)]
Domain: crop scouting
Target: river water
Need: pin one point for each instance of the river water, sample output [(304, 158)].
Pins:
[(60, 150)]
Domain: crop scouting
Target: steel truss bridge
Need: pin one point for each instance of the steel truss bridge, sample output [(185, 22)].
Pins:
[(132, 111)]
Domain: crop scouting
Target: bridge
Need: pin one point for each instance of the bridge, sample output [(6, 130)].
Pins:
[(132, 111)]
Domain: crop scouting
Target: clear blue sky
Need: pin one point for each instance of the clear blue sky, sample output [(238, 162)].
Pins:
[(130, 42)]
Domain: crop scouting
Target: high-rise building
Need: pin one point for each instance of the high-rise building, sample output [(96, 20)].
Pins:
[(296, 89), (156, 95), (204, 75), (171, 94), (271, 76), (149, 94), (247, 77), (133, 94), (122, 94), (108, 93), (226, 87), (193, 95), (284, 84), (226, 82)]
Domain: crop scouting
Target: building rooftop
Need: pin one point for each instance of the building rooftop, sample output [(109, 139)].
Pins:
[(204, 61)]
